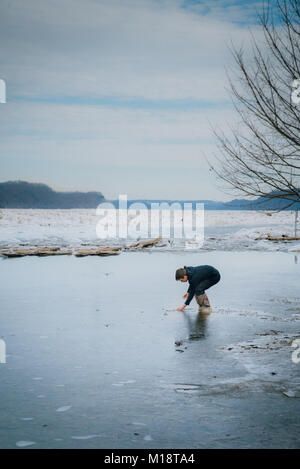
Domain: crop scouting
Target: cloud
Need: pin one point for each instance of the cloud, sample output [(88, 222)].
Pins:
[(99, 48), (139, 152), (116, 87), (241, 12)]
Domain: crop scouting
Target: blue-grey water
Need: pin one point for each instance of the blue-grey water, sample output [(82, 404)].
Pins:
[(91, 359)]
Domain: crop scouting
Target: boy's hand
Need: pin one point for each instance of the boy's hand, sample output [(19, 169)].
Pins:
[(186, 295), (181, 308)]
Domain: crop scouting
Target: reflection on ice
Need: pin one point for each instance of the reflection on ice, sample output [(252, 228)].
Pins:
[(196, 326)]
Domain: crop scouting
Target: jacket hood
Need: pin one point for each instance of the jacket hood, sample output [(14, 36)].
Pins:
[(189, 271)]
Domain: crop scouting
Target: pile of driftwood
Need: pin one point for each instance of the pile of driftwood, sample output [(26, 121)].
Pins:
[(283, 237), (7, 251)]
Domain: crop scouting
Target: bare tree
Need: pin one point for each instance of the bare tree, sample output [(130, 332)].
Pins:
[(261, 156)]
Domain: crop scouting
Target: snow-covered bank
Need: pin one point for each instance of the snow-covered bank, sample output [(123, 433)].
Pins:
[(224, 230)]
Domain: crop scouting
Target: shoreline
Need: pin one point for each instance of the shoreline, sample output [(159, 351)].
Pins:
[(101, 250), (76, 229)]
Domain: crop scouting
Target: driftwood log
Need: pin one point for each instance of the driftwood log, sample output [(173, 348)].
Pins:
[(106, 251), (144, 244), (44, 251), (283, 237)]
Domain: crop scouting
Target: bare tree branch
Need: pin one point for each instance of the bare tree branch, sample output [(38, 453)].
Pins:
[(261, 156)]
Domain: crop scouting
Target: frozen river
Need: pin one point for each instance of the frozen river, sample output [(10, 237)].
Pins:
[(91, 359)]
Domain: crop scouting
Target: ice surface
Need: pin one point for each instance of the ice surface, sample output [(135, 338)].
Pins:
[(229, 379)]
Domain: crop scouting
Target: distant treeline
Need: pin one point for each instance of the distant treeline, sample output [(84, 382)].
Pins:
[(21, 194), (237, 204)]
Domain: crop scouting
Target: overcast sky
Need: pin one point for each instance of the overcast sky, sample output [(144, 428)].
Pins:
[(118, 95)]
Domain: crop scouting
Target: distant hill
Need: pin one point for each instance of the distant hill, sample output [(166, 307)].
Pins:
[(277, 203), (21, 194), (209, 204), (236, 204)]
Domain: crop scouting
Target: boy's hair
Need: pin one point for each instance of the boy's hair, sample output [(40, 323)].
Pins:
[(180, 273)]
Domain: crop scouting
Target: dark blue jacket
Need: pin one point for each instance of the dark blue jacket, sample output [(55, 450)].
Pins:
[(200, 278)]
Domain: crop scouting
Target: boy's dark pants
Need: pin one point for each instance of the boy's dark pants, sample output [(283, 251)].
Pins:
[(205, 285)]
